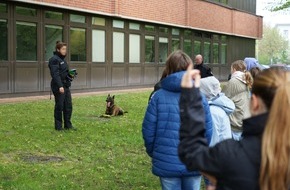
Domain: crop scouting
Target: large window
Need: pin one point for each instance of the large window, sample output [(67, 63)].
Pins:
[(52, 34), (197, 48), (3, 8), (77, 44), (187, 47), (3, 40), (118, 47), (224, 54), (99, 45), (175, 44), (26, 35), (224, 50), (206, 52), (25, 11), (149, 28), (149, 49), (215, 53), (163, 49), (134, 48)]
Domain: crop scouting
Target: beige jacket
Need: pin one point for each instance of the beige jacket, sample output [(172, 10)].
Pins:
[(238, 92)]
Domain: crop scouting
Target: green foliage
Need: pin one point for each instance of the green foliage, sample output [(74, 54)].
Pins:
[(104, 153), (273, 47), (285, 4)]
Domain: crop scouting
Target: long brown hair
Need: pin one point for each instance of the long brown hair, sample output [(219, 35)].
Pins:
[(273, 86), (240, 65), (176, 61)]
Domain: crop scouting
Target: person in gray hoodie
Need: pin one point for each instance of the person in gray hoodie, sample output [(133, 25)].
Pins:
[(220, 107)]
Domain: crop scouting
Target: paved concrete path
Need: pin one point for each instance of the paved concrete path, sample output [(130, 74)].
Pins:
[(77, 94)]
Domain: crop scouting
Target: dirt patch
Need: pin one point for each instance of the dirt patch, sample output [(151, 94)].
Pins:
[(30, 158)]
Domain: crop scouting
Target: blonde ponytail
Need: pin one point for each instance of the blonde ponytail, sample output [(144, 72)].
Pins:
[(275, 164)]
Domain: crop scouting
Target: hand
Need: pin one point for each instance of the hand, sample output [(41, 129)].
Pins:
[(61, 90), (189, 76)]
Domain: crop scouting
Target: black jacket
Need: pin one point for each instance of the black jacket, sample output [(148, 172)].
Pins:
[(205, 71), (58, 70), (235, 164)]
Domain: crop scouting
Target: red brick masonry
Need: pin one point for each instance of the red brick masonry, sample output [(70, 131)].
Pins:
[(196, 14)]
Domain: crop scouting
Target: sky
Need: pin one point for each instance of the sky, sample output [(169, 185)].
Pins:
[(272, 18)]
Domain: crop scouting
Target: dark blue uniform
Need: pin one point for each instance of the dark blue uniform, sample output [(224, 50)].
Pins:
[(63, 102)]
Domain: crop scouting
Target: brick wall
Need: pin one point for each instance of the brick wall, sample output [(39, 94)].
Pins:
[(188, 13)]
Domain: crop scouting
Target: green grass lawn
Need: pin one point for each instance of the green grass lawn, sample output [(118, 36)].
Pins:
[(102, 154)]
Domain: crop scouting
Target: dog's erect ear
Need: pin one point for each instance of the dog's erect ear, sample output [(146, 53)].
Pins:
[(108, 95), (114, 97)]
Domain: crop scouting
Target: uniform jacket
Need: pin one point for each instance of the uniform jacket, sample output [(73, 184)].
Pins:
[(58, 70)]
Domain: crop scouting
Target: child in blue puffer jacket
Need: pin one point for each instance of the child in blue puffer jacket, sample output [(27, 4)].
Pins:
[(161, 128)]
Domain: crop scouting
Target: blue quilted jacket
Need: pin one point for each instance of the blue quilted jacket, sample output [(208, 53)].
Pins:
[(161, 129)]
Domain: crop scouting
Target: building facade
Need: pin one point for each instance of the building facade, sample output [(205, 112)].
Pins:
[(120, 43)]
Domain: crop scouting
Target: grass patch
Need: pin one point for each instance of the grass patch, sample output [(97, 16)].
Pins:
[(102, 154)]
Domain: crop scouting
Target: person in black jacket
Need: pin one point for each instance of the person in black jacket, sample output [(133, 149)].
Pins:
[(261, 160), (205, 71), (60, 86)]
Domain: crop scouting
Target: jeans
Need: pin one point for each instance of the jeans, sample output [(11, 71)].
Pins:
[(237, 135), (182, 183)]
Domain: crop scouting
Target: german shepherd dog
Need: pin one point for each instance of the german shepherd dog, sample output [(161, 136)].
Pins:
[(112, 109)]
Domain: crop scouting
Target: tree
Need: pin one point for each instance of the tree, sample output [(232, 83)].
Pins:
[(273, 48), (281, 5)]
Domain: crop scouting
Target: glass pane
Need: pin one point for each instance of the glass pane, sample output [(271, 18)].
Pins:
[(3, 40), (52, 34), (224, 1), (175, 44), (163, 30), (187, 47), (198, 34), (26, 35), (118, 24), (215, 53), (118, 47), (3, 8), (207, 36), (175, 31), (149, 28), (134, 48), (187, 34), (206, 52), (224, 39), (99, 45), (197, 47), (134, 26), (163, 49), (77, 44), (216, 37), (25, 11), (77, 18), (53, 15), (224, 54), (99, 21), (149, 49)]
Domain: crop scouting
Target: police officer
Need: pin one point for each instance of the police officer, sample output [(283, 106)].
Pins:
[(60, 86)]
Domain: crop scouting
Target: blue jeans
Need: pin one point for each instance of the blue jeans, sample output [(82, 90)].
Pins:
[(237, 135), (182, 183)]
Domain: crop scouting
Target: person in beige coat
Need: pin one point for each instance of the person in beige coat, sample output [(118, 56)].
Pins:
[(238, 89)]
